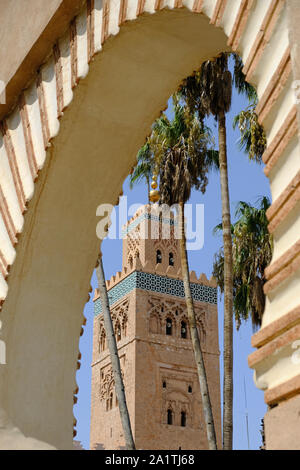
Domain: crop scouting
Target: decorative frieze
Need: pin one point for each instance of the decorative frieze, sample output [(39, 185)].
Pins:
[(160, 284)]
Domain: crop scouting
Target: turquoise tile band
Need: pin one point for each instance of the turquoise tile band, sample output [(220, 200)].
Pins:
[(157, 283)]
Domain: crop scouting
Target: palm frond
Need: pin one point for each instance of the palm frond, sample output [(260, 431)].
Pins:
[(252, 253)]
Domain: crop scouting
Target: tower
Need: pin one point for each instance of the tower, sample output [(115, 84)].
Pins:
[(151, 326)]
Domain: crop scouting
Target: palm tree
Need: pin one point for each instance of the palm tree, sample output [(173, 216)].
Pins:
[(209, 92), (253, 137), (252, 253), (115, 361), (144, 168), (180, 148)]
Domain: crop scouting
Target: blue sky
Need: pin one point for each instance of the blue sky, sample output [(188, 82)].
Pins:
[(246, 183)]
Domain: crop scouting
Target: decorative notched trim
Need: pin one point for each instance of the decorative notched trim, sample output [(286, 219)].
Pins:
[(281, 140), (13, 164), (218, 12), (283, 268), (274, 345), (284, 204), (282, 392), (276, 328), (263, 37), (197, 6), (240, 23), (28, 137), (275, 87)]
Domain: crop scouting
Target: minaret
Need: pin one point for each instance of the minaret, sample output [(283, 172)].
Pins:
[(149, 315)]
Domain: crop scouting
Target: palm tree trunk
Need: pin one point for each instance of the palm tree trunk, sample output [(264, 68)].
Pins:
[(208, 415), (115, 361), (148, 188), (228, 290)]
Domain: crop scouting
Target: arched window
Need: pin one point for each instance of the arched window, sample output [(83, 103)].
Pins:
[(190, 389), (171, 259), (164, 384), (170, 416), (183, 419), (109, 402), (124, 326), (183, 330), (118, 332), (158, 257), (169, 326), (102, 344)]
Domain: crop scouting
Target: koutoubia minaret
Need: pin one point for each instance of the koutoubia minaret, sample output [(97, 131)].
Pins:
[(150, 321)]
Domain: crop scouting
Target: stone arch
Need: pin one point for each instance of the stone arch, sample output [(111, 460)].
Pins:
[(69, 119)]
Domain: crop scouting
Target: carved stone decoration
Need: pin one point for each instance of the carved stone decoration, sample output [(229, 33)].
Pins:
[(175, 397), (133, 245), (119, 316), (107, 383), (162, 310)]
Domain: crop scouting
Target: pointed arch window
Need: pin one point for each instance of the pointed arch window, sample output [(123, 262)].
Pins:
[(158, 257), (183, 330), (171, 259), (109, 402), (118, 332), (169, 326), (102, 342)]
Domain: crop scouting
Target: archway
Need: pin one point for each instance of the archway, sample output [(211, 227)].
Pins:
[(94, 136)]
